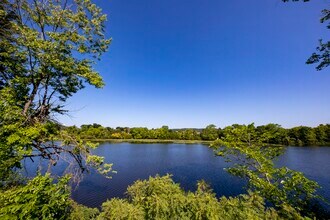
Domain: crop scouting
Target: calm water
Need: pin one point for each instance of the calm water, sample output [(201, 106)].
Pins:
[(188, 164)]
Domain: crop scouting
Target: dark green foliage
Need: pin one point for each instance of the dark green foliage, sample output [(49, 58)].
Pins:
[(274, 134), (304, 136), (40, 198)]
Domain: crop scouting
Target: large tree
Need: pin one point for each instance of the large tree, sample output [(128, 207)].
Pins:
[(48, 48)]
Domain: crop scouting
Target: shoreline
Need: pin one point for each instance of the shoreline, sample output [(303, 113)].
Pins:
[(169, 141), (151, 141)]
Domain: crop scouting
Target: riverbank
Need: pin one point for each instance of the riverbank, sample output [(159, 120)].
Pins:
[(151, 141), (159, 141)]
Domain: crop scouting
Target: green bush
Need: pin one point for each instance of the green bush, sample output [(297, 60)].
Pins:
[(40, 198), (161, 198)]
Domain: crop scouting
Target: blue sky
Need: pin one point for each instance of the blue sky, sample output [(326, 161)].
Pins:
[(190, 63)]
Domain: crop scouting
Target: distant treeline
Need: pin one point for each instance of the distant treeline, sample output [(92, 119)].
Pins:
[(297, 136)]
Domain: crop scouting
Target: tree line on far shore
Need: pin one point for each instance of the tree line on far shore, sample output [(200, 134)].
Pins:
[(296, 136)]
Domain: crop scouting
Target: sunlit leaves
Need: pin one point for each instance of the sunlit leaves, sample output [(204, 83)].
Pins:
[(252, 158), (48, 49), (39, 199), (161, 198), (121, 209)]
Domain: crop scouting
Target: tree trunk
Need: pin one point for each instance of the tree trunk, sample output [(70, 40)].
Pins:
[(29, 102)]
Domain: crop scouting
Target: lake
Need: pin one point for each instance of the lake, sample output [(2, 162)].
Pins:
[(188, 163)]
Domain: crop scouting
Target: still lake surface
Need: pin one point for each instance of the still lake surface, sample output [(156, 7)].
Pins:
[(188, 163)]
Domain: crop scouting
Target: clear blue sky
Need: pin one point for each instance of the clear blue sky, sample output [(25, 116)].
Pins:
[(190, 63)]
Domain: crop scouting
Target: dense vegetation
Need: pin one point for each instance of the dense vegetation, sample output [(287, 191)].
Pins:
[(287, 193), (156, 198), (297, 136), (47, 52), (161, 198)]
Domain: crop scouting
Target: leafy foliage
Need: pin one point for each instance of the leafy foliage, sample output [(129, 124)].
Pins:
[(40, 198), (161, 198), (210, 133), (253, 159), (120, 209), (80, 212), (297, 136), (47, 53)]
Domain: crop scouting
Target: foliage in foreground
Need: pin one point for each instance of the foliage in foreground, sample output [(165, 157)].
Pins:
[(80, 212), (161, 198), (40, 198), (43, 198), (253, 160), (47, 53), (156, 198)]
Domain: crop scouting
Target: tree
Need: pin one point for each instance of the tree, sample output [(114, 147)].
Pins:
[(276, 134), (303, 135), (252, 159), (47, 53), (139, 133), (190, 134), (9, 61), (322, 55), (210, 133), (321, 134), (163, 132)]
